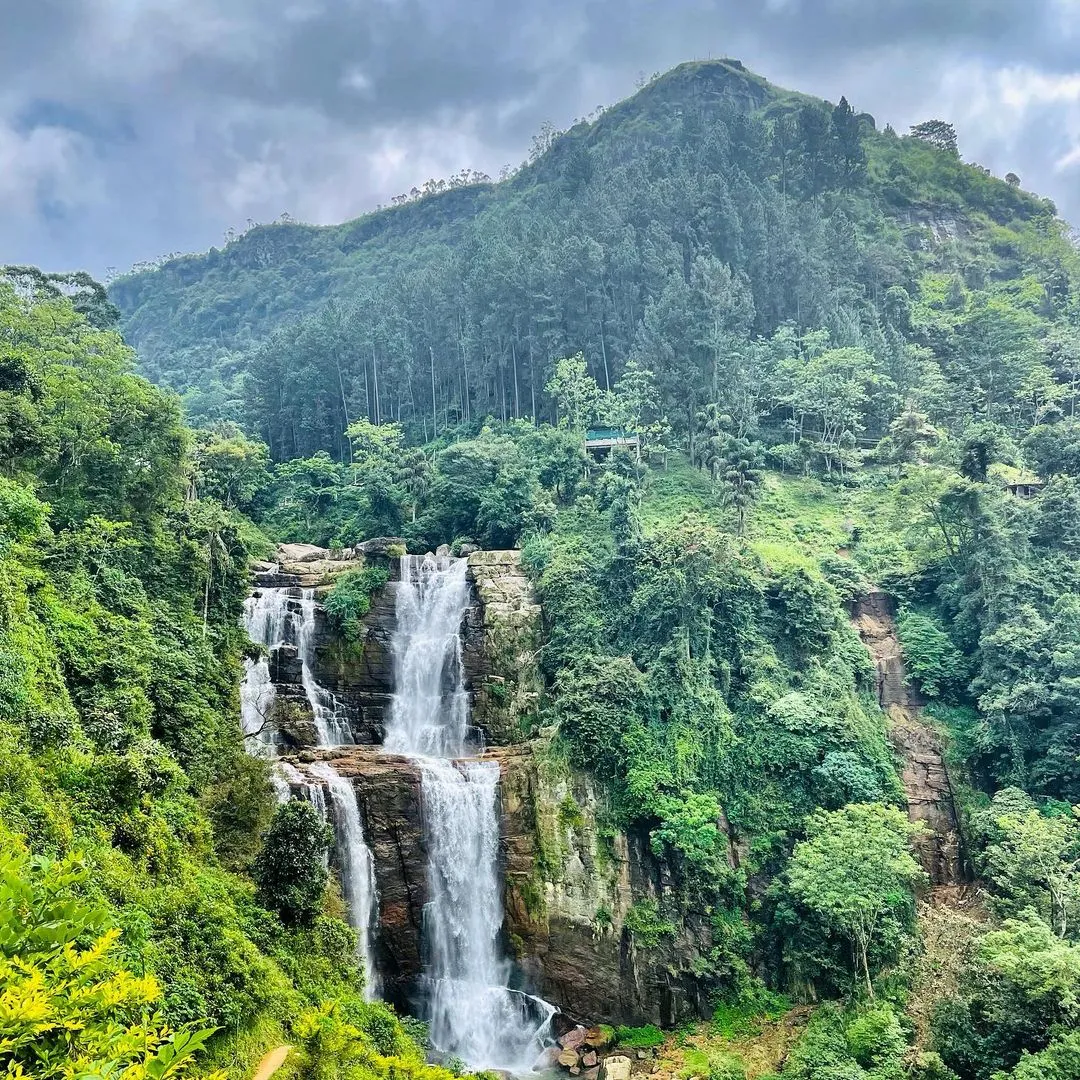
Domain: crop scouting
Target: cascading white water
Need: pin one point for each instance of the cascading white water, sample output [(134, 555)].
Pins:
[(271, 619), (357, 867), (331, 724), (305, 788), (264, 621), (474, 1015), (257, 694), (429, 711)]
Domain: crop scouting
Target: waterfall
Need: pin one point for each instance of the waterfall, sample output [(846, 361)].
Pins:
[(303, 787), (473, 1013), (357, 867), (275, 617), (257, 695), (429, 711), (271, 618), (331, 724)]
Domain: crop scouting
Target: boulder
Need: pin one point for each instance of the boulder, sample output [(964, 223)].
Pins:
[(301, 553), (573, 1039), (383, 546), (443, 551), (561, 1024), (589, 1059), (568, 1059), (615, 1067), (600, 1037)]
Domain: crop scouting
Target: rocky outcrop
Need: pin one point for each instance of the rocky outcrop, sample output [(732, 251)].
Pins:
[(931, 229), (388, 798), (924, 776), (570, 885), (360, 673), (305, 566), (502, 636)]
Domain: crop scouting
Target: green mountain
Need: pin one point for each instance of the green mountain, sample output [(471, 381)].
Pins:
[(785, 691), (707, 212)]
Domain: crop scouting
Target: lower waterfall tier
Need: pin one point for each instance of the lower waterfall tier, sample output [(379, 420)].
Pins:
[(568, 887)]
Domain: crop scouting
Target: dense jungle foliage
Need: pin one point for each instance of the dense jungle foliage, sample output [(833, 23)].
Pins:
[(132, 822), (839, 347)]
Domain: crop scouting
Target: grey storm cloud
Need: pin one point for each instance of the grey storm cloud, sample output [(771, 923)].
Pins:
[(130, 128)]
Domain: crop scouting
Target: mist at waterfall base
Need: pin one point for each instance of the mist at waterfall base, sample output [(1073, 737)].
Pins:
[(473, 1013), (274, 617)]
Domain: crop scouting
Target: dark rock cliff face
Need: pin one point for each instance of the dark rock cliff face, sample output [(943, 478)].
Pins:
[(388, 798), (568, 890), (500, 639), (502, 636), (569, 884)]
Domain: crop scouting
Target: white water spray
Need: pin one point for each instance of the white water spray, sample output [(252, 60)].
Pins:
[(357, 867), (429, 711), (275, 617), (331, 724), (474, 1015)]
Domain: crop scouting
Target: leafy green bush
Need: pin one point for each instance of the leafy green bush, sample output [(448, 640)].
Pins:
[(290, 871), (639, 1038), (844, 575), (855, 873), (861, 1043), (597, 701), (726, 1066), (1020, 987), (349, 599), (362, 1041), (808, 608), (744, 1016), (930, 655), (1059, 1061), (69, 1007), (644, 922)]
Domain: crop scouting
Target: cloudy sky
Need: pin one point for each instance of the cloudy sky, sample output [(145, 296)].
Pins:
[(132, 128)]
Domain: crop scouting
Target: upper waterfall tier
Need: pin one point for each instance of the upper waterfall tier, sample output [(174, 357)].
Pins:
[(280, 616), (429, 709)]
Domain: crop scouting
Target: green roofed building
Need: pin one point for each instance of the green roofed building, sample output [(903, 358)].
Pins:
[(601, 441)]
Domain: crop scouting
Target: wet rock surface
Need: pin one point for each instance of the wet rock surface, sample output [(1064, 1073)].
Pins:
[(502, 636), (388, 797), (568, 923)]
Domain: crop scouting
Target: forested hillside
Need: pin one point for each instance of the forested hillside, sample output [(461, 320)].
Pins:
[(847, 364), (690, 230)]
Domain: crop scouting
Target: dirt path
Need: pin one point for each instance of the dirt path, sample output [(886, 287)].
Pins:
[(271, 1062), (924, 776)]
